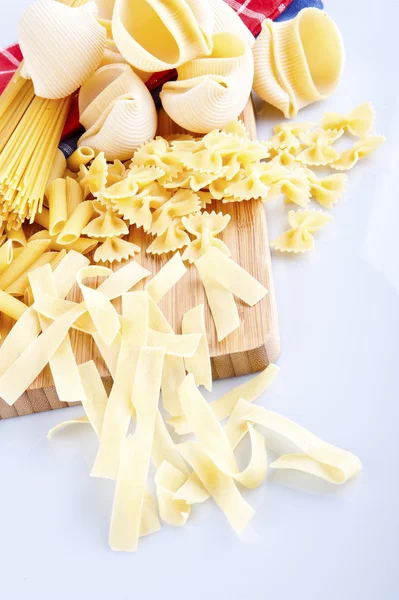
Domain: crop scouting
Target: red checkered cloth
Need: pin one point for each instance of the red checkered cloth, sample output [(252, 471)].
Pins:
[(252, 12)]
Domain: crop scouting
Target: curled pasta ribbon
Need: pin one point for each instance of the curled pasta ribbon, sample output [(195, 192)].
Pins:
[(155, 36), (99, 307), (76, 53), (358, 122), (303, 224), (115, 249), (106, 225), (168, 480), (213, 90), (317, 457), (299, 61), (205, 227), (213, 460), (117, 111), (329, 190), (320, 151), (349, 158), (183, 202), (224, 406), (200, 363)]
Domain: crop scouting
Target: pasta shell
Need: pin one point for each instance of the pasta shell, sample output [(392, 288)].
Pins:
[(227, 19), (117, 111), (212, 91), (299, 61), (154, 36), (62, 46)]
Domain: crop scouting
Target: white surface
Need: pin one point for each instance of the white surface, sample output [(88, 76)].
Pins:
[(339, 322)]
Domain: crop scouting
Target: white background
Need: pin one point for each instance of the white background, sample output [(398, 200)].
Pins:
[(339, 323)]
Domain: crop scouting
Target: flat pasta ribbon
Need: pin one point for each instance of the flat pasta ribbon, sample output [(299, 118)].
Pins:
[(200, 363)]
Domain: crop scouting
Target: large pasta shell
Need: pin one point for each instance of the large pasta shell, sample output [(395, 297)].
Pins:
[(62, 46), (226, 19), (117, 111), (298, 62), (154, 35), (212, 91)]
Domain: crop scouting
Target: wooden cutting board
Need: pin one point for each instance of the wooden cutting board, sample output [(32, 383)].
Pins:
[(248, 349)]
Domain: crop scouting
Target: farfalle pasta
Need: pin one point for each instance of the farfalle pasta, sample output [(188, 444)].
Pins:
[(76, 53), (106, 225), (158, 153), (213, 90), (115, 249), (117, 111), (303, 224), (294, 185), (173, 238), (298, 61), (155, 36), (183, 202), (137, 209), (319, 150), (358, 122), (93, 179), (286, 135), (327, 190), (205, 227), (349, 158)]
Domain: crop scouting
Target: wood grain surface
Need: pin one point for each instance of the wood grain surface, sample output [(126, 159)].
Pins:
[(247, 350)]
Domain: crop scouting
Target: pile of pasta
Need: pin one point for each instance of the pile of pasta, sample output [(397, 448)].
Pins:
[(146, 357)]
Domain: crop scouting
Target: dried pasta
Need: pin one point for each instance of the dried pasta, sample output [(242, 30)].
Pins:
[(205, 227), (319, 150), (183, 202), (200, 364), (29, 255), (173, 238), (81, 156), (211, 90), (358, 122), (76, 222), (303, 224), (58, 208), (349, 158), (106, 225), (328, 190), (94, 178), (115, 249)]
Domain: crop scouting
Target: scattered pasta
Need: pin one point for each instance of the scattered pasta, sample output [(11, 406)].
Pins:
[(299, 238)]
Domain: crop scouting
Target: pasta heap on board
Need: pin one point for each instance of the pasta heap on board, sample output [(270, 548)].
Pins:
[(141, 350)]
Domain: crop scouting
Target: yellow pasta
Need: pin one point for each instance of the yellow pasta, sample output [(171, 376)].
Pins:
[(166, 278), (10, 306), (76, 222), (183, 202), (200, 364), (115, 249), (205, 227), (58, 167), (94, 178), (17, 236), (18, 287), (303, 224), (349, 158), (328, 190), (29, 255), (107, 224), (168, 481), (173, 238), (358, 122), (133, 472), (43, 218), (58, 208), (6, 255), (81, 156), (286, 135), (74, 194), (319, 150)]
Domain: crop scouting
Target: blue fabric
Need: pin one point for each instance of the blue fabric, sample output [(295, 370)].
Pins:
[(296, 5)]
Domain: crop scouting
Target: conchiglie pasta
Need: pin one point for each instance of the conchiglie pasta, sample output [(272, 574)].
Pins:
[(75, 54), (118, 112), (298, 61), (154, 36), (211, 91)]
